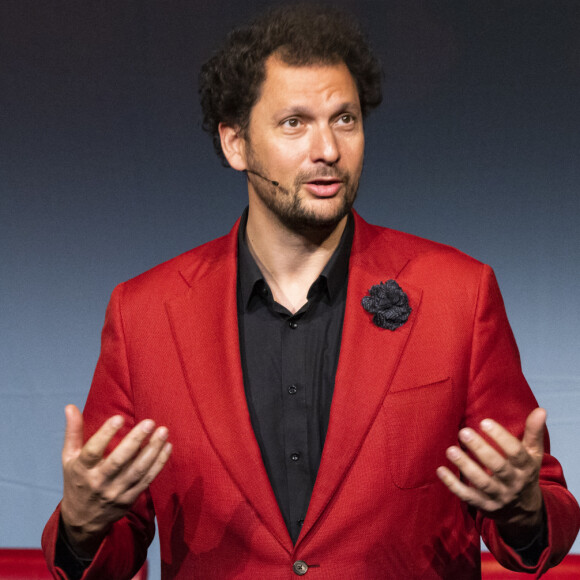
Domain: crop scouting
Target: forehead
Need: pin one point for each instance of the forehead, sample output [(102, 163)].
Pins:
[(317, 85)]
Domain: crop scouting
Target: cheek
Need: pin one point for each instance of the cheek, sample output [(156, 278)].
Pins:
[(360, 144), (353, 155), (288, 157)]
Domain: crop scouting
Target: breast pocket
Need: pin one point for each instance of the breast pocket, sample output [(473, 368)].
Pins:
[(421, 423)]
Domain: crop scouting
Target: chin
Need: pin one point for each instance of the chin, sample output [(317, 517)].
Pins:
[(308, 218), (303, 213)]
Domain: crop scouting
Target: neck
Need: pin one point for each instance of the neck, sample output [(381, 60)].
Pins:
[(290, 261)]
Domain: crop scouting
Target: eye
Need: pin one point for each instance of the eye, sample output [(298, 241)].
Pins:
[(346, 119), (292, 123)]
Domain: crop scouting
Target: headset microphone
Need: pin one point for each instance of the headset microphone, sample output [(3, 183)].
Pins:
[(274, 183)]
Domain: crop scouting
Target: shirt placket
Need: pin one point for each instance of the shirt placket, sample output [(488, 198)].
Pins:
[(295, 412)]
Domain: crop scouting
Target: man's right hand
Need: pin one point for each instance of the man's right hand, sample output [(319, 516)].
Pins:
[(99, 490)]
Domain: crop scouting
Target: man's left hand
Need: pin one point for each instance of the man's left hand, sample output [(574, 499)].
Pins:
[(503, 485)]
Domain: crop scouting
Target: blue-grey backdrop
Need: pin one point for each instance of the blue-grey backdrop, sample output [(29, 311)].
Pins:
[(105, 172)]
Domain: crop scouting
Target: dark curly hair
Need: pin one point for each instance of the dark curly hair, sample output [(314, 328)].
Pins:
[(300, 34)]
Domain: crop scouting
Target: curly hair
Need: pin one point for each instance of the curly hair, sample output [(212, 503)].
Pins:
[(300, 34)]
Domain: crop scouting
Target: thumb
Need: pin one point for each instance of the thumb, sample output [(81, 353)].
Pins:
[(534, 432), (73, 435)]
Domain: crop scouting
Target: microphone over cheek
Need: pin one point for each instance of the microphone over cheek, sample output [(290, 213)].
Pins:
[(274, 183)]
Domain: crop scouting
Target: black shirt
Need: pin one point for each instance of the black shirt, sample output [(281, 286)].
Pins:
[(289, 365)]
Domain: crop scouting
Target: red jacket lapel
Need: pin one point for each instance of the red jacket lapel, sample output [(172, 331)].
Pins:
[(205, 329), (369, 357)]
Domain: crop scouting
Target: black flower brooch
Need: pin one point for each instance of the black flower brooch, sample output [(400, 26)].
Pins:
[(389, 305)]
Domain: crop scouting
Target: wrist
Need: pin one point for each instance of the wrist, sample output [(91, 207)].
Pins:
[(83, 543), (522, 530)]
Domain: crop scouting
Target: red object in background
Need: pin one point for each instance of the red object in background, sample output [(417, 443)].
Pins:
[(29, 564), (568, 569)]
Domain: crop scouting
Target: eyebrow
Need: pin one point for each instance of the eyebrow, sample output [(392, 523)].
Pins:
[(304, 111)]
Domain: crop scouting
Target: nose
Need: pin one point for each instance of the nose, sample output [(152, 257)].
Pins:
[(324, 146)]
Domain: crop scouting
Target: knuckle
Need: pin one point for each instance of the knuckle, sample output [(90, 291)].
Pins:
[(163, 458), (124, 504), (471, 500), (107, 497), (488, 488), (147, 480), (115, 464), (501, 468), (493, 506), (94, 481), (127, 499), (75, 469), (91, 455), (139, 473), (506, 497)]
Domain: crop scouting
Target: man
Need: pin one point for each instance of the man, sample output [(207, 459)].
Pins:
[(314, 371)]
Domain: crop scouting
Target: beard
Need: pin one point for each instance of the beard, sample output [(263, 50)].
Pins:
[(291, 210)]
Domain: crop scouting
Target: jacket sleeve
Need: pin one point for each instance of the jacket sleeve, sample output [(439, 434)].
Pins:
[(495, 363), (124, 550)]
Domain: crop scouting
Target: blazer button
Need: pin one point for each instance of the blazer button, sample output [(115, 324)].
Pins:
[(300, 567)]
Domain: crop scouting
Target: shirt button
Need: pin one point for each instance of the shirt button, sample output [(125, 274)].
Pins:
[(295, 456), (292, 389), (293, 324), (300, 567)]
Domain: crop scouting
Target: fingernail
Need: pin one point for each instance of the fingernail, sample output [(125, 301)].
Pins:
[(466, 435), (116, 421), (487, 424), (162, 433), (147, 425), (453, 453)]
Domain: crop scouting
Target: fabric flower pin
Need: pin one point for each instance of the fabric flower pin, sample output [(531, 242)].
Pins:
[(388, 304)]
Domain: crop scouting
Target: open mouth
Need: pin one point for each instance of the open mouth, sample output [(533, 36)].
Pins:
[(324, 181), (324, 187)]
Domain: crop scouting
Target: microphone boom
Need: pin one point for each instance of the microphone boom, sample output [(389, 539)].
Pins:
[(274, 183)]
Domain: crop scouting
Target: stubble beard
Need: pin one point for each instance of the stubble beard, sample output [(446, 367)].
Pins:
[(287, 205)]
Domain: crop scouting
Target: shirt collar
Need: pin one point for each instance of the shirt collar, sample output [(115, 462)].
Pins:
[(333, 276)]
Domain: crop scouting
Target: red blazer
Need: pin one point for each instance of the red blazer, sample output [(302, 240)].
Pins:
[(170, 352)]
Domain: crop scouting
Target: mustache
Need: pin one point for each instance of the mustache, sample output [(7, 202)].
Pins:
[(332, 172)]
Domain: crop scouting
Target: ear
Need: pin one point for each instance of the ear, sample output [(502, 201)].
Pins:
[(233, 146)]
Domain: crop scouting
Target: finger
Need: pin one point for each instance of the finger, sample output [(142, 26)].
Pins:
[(533, 439), (474, 473), (470, 495), (126, 450), (130, 496), (93, 450), (137, 469), (487, 455), (73, 434), (512, 447)]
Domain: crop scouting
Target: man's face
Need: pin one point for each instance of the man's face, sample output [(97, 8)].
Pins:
[(305, 132)]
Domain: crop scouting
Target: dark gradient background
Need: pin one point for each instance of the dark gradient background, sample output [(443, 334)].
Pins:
[(104, 172)]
